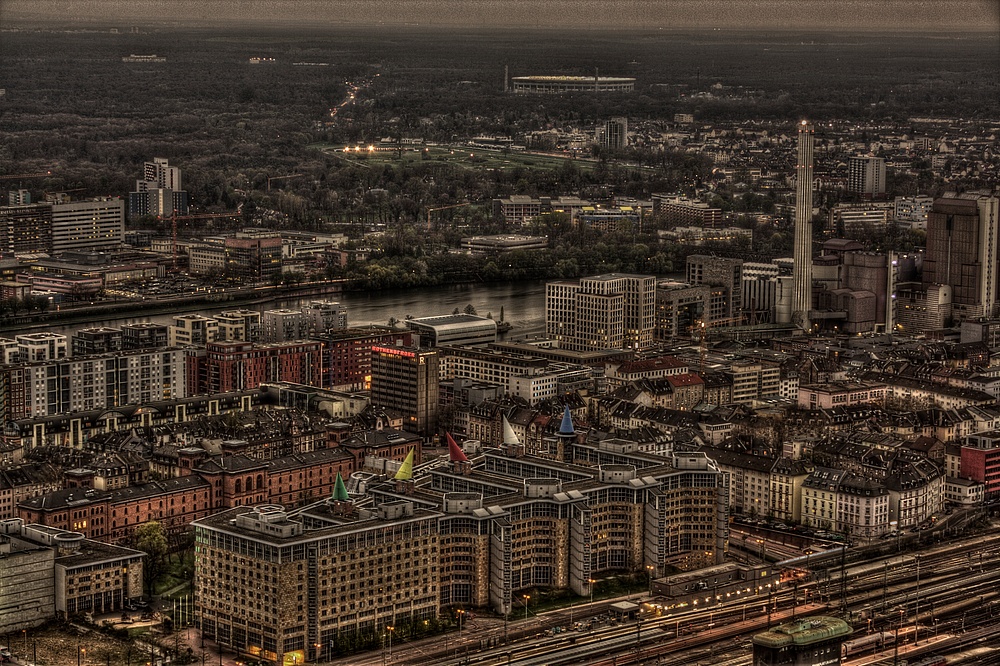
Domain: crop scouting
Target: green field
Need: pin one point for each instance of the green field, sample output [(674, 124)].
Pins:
[(460, 156)]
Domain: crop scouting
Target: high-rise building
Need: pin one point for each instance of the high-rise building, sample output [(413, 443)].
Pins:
[(866, 176), (159, 191), (719, 272), (963, 234), (802, 271), (614, 134), (98, 224), (611, 311), (407, 380)]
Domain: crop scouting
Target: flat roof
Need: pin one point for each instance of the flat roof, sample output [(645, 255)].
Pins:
[(804, 632)]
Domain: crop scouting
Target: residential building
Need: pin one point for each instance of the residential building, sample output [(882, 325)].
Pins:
[(911, 212), (144, 335), (841, 394), (845, 502), (322, 317), (866, 176), (90, 382), (282, 325), (238, 326), (613, 135), (192, 329), (224, 367), (98, 340), (33, 347)]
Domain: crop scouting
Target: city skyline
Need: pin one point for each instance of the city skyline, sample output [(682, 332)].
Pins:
[(811, 15)]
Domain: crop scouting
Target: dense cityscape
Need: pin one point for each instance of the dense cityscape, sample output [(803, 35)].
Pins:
[(344, 348)]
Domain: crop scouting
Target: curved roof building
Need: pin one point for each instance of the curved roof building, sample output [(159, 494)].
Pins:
[(565, 84)]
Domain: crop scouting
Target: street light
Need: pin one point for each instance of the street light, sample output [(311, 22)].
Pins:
[(527, 598), (591, 582), (80, 652), (390, 629), (650, 568)]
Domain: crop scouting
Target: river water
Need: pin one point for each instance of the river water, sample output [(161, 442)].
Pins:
[(523, 304)]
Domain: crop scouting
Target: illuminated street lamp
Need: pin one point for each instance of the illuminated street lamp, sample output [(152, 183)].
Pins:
[(527, 598), (650, 568)]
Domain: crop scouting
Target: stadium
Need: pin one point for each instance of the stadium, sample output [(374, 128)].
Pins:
[(567, 84)]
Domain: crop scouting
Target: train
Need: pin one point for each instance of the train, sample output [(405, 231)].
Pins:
[(874, 642)]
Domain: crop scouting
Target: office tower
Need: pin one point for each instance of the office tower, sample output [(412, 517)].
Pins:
[(26, 228), (614, 134), (98, 224), (406, 380), (866, 176), (612, 311), (703, 269), (963, 233), (802, 271), (159, 191)]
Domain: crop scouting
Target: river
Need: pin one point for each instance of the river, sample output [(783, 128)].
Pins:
[(523, 304)]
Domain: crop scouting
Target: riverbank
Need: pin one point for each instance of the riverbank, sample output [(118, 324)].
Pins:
[(148, 307)]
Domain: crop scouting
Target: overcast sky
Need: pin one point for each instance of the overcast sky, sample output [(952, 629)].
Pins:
[(920, 15)]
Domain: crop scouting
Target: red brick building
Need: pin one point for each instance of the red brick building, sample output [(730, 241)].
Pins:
[(242, 366), (349, 355), (207, 486)]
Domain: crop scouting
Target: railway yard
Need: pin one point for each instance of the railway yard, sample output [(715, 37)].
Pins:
[(934, 606)]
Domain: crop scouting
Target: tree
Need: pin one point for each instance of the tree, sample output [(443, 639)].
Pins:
[(151, 539), (470, 309)]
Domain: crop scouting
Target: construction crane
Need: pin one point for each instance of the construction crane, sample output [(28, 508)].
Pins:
[(288, 177), (199, 216), (22, 176), (700, 328), (434, 210)]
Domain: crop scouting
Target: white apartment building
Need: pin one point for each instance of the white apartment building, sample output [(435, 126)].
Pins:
[(41, 347), (83, 383), (192, 329)]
